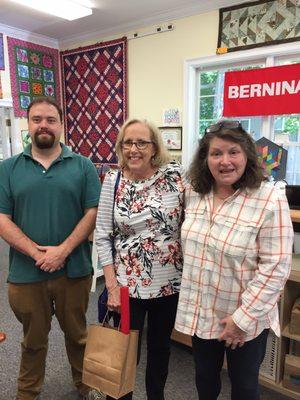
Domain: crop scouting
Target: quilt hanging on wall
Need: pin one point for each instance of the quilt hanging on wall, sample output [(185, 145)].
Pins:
[(33, 73), (95, 98), (1, 52), (259, 23), (272, 158)]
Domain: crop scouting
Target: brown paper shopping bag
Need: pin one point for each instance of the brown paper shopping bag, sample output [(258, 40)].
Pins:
[(110, 360), (110, 357)]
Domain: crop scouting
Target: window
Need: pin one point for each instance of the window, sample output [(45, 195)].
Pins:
[(211, 100), (287, 134), (204, 86), (4, 132), (9, 134)]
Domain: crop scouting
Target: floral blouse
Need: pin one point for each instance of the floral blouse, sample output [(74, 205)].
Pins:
[(147, 220)]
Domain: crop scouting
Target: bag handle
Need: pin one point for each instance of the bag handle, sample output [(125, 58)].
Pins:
[(125, 312), (124, 321), (107, 319), (115, 192), (113, 233), (124, 291)]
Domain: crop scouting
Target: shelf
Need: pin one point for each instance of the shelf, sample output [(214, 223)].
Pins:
[(277, 387), (296, 266), (267, 382), (295, 215), (286, 333), (294, 276), (6, 103), (181, 338)]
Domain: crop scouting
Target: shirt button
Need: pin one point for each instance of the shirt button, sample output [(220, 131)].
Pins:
[(44, 171)]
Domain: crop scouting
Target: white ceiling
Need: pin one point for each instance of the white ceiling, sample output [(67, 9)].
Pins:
[(109, 17)]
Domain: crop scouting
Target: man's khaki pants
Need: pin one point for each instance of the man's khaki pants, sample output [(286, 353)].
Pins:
[(33, 305)]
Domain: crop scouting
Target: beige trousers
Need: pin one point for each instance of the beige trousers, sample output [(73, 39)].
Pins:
[(34, 304)]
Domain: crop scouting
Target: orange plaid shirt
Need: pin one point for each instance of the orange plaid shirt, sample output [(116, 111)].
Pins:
[(236, 261)]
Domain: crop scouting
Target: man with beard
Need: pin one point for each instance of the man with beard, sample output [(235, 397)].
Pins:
[(48, 205)]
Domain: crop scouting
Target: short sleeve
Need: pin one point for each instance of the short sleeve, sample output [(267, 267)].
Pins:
[(92, 189), (6, 200), (184, 177)]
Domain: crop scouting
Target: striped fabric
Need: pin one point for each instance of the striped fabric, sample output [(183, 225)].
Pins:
[(148, 215), (236, 262)]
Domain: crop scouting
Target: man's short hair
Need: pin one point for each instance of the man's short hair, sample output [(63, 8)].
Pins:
[(47, 100)]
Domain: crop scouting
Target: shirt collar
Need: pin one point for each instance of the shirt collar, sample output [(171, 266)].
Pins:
[(65, 152)]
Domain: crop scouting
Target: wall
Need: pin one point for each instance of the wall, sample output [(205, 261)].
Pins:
[(155, 64), (5, 80), (21, 123)]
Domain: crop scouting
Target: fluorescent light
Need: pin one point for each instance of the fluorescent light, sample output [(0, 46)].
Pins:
[(66, 9)]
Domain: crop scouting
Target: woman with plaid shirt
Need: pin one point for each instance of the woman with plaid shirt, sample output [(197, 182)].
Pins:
[(237, 241)]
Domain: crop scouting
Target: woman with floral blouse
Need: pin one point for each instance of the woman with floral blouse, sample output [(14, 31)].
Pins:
[(144, 208)]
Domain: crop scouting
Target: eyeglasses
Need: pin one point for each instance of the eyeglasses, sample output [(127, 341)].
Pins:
[(140, 144), (223, 124)]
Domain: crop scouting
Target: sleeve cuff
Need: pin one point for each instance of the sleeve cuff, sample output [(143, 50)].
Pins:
[(243, 320)]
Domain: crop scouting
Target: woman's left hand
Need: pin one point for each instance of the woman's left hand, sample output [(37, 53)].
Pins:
[(232, 334)]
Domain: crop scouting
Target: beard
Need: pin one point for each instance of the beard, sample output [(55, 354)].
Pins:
[(44, 139)]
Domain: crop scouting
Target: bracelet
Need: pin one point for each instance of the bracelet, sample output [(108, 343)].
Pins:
[(113, 288)]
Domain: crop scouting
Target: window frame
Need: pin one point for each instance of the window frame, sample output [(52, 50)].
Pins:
[(267, 56), (10, 135)]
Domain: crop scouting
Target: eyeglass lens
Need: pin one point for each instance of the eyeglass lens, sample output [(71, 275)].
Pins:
[(140, 144)]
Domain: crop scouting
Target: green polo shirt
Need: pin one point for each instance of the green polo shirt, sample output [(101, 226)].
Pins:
[(47, 205)]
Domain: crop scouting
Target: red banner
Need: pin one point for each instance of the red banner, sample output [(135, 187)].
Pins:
[(264, 91)]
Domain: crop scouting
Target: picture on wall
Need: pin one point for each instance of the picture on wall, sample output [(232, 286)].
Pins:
[(172, 137), (272, 158), (33, 73), (1, 52), (171, 116), (258, 23)]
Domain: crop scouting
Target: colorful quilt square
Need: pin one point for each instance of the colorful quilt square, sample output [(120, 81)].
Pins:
[(35, 58), (22, 55), (49, 90), (24, 86), (23, 71), (258, 23), (37, 89), (48, 75), (33, 72), (36, 73), (272, 158), (47, 61), (25, 101)]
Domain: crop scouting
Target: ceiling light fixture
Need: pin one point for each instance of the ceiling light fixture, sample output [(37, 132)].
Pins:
[(66, 9)]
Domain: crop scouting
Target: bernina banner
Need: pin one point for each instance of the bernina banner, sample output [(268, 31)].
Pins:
[(264, 91)]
